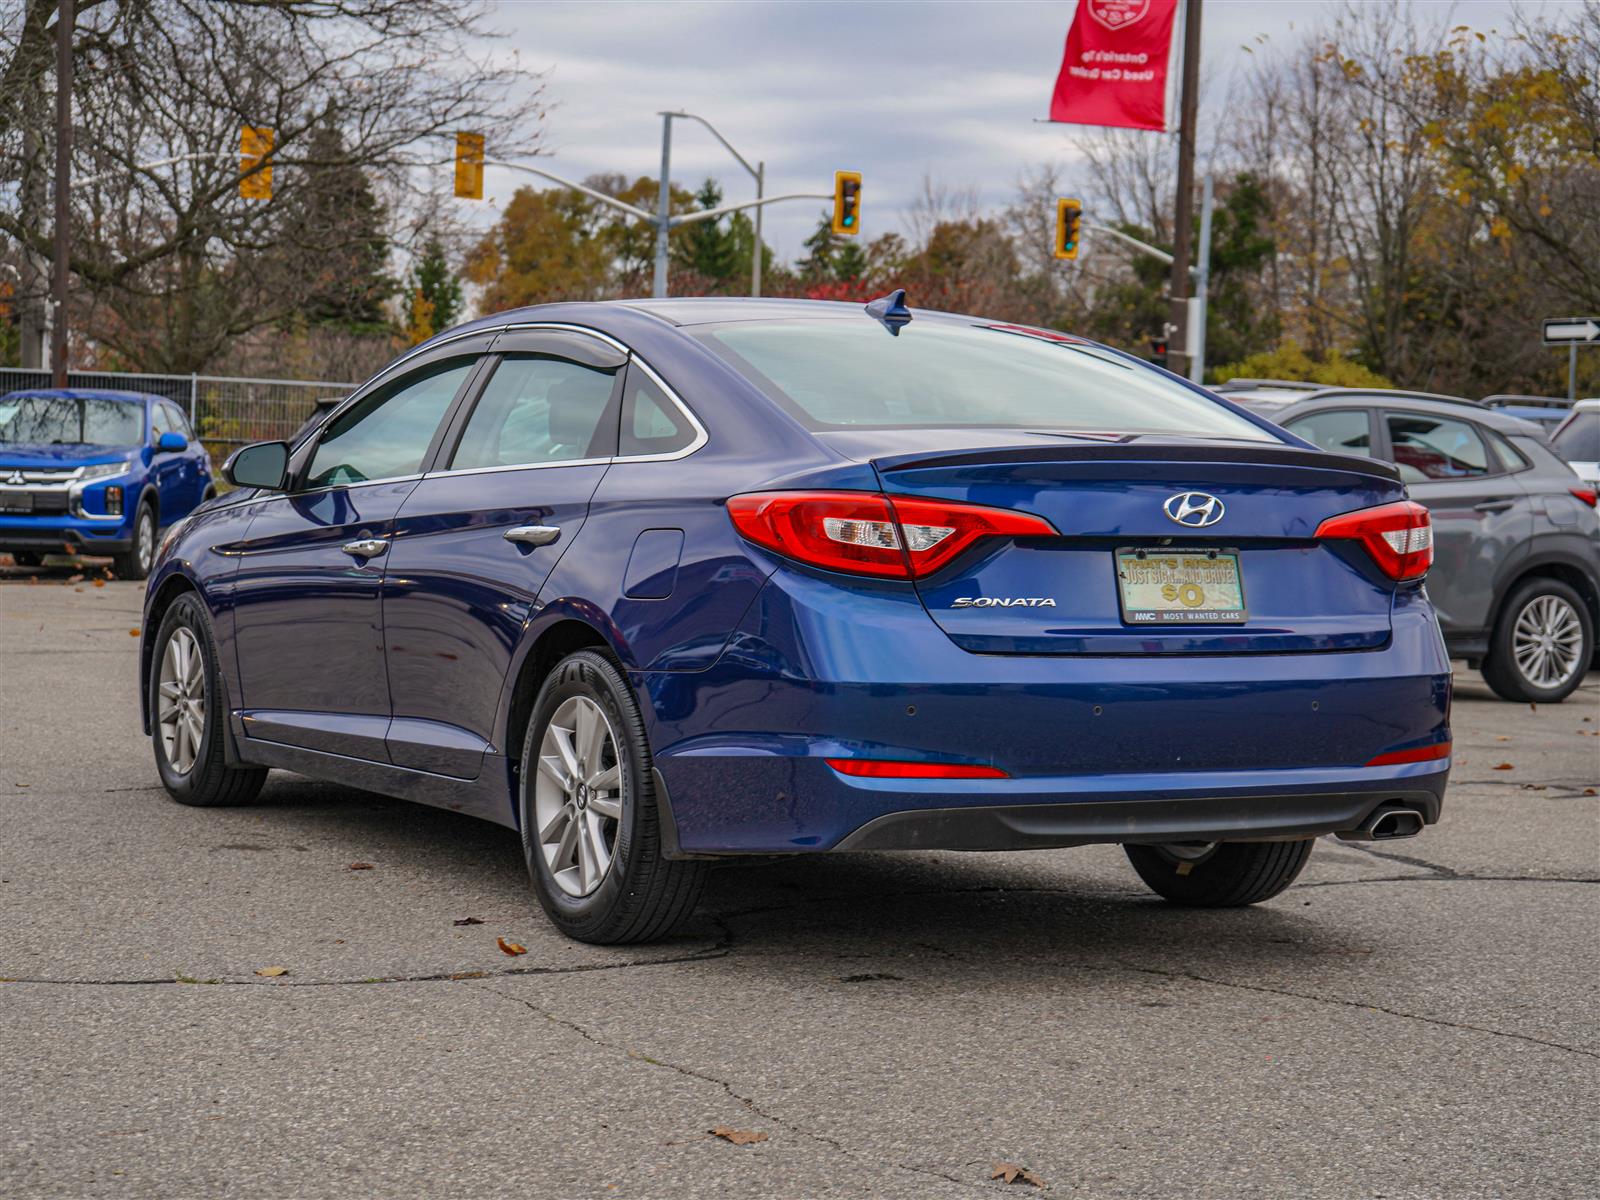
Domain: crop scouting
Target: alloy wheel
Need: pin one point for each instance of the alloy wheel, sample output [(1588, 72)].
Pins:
[(577, 799), (181, 693), (1547, 641), (145, 539)]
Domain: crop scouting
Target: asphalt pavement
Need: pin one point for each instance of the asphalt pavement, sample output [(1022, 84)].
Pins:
[(1413, 1019)]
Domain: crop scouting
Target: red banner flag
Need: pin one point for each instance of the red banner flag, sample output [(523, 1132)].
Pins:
[(1115, 68)]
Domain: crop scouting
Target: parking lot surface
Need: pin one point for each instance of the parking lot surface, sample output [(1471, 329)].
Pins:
[(1413, 1019)]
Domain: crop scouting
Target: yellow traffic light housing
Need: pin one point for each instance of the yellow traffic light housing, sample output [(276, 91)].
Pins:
[(469, 166), (847, 202), (1069, 217), (255, 163)]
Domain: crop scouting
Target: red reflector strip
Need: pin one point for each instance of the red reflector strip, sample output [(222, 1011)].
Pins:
[(1588, 495), (1415, 754), (873, 768)]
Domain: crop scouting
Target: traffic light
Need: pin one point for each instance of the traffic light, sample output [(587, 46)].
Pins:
[(255, 147), (469, 166), (847, 202), (1069, 216)]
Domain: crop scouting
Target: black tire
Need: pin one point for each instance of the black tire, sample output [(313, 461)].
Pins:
[(1502, 671), (1232, 874), (210, 781), (27, 558), (642, 896), (136, 560)]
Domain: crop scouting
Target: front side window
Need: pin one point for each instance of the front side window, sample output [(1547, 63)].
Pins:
[(64, 420), (1428, 447), (1343, 431), (179, 420), (388, 434), (843, 374), (161, 420), (539, 410)]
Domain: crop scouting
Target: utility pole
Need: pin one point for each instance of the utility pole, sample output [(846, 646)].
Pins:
[(63, 223), (1196, 343), (1178, 350), (663, 207)]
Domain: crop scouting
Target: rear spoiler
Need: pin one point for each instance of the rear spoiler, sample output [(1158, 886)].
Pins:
[(1282, 456)]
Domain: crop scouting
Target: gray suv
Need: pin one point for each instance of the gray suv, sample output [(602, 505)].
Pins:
[(1516, 568)]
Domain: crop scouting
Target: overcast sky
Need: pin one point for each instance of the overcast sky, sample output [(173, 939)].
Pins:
[(894, 90)]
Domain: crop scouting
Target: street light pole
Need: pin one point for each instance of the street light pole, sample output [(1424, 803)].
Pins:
[(63, 222), (1182, 235), (663, 207), (755, 253)]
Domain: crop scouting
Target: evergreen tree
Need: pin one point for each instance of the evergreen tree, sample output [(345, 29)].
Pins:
[(336, 229), (708, 247)]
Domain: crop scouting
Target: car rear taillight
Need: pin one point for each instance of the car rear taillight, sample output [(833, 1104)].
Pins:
[(1399, 536), (868, 533), (877, 768), (1588, 495)]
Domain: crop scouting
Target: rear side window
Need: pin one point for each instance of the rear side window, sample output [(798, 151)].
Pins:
[(538, 410), (1428, 447), (1579, 439), (1511, 459), (651, 424), (388, 434), (850, 373), (1344, 431)]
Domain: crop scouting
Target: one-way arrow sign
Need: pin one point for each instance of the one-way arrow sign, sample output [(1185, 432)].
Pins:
[(1565, 331)]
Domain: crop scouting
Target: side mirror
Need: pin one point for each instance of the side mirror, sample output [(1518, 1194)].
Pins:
[(259, 466), (171, 443)]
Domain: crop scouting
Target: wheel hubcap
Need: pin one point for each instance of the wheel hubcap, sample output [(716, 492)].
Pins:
[(147, 536), (577, 796), (181, 700), (1191, 852), (1547, 641)]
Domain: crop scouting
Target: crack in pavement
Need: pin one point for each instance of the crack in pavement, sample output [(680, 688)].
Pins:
[(1438, 869), (748, 1102), (1326, 883)]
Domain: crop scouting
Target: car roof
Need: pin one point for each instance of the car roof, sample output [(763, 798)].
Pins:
[(87, 394), (1496, 419)]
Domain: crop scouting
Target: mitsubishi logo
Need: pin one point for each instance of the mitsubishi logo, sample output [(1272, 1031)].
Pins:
[(16, 478), (1194, 509)]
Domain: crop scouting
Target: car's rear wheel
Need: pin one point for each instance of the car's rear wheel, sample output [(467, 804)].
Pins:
[(1219, 874), (187, 713), (591, 830), (1542, 645), (135, 562)]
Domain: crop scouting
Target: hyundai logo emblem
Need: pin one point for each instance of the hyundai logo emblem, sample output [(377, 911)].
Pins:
[(1194, 509)]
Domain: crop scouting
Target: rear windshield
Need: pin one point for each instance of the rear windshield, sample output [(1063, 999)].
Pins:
[(852, 374), (51, 420), (1579, 439)]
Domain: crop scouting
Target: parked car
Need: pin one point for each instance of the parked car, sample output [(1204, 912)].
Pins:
[(1516, 576), (95, 472), (1577, 439), (1545, 411), (666, 580)]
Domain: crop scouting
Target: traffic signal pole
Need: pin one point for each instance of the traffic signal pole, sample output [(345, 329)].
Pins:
[(63, 222), (663, 207), (1179, 352)]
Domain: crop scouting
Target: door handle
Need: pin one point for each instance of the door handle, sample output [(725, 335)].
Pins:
[(533, 535), (1493, 506), (365, 548)]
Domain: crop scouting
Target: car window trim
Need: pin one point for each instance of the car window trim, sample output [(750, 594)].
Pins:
[(701, 437), (1489, 454), (1365, 410)]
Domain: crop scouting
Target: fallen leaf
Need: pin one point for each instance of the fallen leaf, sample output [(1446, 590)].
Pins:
[(1501, 738), (467, 921), (739, 1137), (512, 948), (1012, 1173), (99, 583), (1502, 767), (359, 867), (272, 972), (1590, 792), (1533, 707), (133, 633)]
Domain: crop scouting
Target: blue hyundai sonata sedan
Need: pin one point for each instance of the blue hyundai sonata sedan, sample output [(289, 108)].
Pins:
[(655, 582)]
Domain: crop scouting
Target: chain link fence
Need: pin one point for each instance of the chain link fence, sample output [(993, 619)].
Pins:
[(226, 412)]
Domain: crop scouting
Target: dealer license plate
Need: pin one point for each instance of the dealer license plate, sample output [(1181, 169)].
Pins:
[(16, 502), (1190, 587)]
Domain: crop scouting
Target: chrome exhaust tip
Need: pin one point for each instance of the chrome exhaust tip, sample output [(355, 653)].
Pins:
[(1384, 825)]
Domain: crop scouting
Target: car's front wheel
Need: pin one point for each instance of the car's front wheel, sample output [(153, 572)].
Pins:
[(591, 829), (136, 560), (1542, 645), (187, 713), (1219, 874)]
